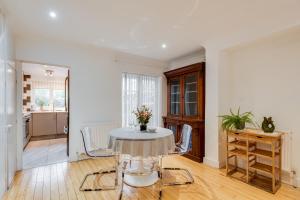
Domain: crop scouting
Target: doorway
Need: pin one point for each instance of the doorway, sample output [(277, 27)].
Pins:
[(45, 114)]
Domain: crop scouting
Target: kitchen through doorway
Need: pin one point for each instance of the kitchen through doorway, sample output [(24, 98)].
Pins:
[(45, 114)]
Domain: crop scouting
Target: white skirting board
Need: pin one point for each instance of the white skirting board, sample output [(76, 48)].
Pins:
[(290, 178), (298, 182), (211, 162)]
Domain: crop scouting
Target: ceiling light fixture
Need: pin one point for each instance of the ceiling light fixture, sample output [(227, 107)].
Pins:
[(52, 14), (49, 72), (163, 46)]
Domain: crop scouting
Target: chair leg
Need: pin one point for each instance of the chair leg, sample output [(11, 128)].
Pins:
[(121, 189), (100, 188), (117, 160), (160, 184), (190, 181)]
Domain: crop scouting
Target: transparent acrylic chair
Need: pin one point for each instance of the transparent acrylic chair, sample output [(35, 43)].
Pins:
[(94, 152), (182, 147)]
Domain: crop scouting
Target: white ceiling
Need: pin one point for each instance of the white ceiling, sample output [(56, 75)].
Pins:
[(141, 26), (37, 70)]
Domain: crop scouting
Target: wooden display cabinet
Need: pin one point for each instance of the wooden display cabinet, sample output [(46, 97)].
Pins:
[(185, 102)]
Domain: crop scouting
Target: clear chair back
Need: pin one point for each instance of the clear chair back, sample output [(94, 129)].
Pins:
[(186, 138), (96, 136), (87, 139)]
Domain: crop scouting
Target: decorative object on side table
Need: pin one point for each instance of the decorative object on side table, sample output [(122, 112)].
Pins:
[(268, 125), (236, 121), (143, 115)]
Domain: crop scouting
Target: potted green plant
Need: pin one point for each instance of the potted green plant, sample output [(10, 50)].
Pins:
[(40, 103), (236, 121)]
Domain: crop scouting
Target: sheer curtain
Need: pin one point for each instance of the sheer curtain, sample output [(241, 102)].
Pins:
[(138, 90)]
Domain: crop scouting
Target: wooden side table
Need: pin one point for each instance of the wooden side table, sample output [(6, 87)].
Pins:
[(255, 157)]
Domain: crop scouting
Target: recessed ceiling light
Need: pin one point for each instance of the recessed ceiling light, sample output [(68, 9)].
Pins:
[(52, 14), (163, 46)]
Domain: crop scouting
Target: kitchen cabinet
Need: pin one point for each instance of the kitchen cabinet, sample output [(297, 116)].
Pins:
[(44, 123), (48, 123), (30, 128), (61, 122)]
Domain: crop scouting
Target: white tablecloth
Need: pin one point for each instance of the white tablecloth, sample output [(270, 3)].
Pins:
[(136, 143)]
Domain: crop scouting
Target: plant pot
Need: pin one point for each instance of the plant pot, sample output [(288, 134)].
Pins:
[(143, 127), (240, 126)]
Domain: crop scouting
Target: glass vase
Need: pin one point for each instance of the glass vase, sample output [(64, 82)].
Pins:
[(143, 127)]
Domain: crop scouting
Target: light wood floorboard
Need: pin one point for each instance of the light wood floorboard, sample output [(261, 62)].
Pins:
[(61, 182)]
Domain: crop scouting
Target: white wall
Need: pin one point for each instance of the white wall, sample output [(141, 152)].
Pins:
[(10, 46), (192, 58), (95, 78), (264, 77)]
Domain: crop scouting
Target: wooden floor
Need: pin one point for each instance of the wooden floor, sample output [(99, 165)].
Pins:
[(61, 181), (45, 152)]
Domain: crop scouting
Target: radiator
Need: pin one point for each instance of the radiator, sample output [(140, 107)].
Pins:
[(100, 133), (287, 152), (288, 173)]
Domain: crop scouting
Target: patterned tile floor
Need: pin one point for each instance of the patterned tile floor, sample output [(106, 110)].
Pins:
[(45, 152)]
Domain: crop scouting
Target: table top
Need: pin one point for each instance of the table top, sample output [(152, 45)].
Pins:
[(133, 134), (259, 132)]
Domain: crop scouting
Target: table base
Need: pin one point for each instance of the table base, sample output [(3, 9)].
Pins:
[(141, 181)]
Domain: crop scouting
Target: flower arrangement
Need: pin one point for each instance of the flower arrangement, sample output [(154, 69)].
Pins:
[(143, 115)]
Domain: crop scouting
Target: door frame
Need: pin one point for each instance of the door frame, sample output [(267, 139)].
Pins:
[(67, 108), (19, 77), (11, 127)]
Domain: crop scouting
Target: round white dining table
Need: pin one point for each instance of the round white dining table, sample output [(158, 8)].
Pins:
[(141, 145)]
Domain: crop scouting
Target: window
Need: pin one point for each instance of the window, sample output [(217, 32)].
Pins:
[(51, 94), (59, 99), (41, 97), (138, 90)]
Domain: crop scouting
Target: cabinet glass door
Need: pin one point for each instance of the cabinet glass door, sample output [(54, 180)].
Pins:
[(175, 96), (190, 95)]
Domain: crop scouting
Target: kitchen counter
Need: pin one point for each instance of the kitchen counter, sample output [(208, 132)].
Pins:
[(46, 123), (28, 113)]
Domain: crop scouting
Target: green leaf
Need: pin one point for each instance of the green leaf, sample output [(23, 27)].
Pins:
[(235, 120)]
